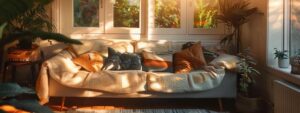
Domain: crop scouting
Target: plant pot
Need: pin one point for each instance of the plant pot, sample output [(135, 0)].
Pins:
[(283, 63), (248, 105)]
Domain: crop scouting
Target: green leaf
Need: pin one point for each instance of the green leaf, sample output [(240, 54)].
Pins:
[(2, 29), (12, 90)]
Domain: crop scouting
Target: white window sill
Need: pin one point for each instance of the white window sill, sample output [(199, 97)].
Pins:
[(284, 73)]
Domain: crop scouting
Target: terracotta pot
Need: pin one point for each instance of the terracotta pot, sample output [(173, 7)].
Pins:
[(248, 105)]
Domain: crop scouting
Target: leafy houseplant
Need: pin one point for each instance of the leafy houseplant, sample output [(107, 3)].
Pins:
[(9, 93), (234, 13), (247, 71), (26, 21), (282, 56), (247, 101)]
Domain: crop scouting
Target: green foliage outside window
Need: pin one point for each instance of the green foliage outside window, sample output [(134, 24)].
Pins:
[(126, 13), (167, 13), (204, 13)]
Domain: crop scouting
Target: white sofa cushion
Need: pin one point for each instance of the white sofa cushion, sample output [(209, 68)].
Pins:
[(157, 46), (101, 45)]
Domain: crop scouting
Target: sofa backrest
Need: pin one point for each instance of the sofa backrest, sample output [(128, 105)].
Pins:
[(133, 46), (101, 46)]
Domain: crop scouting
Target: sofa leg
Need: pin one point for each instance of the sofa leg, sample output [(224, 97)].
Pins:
[(63, 99), (220, 104)]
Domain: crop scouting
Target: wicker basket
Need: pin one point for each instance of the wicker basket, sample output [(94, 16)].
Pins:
[(295, 62)]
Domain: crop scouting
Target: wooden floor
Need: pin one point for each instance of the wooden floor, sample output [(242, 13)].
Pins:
[(117, 103)]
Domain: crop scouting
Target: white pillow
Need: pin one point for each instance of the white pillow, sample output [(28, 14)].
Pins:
[(227, 61)]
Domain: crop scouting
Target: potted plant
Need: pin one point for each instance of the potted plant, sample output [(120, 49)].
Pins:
[(247, 101), (234, 13), (27, 20), (283, 60)]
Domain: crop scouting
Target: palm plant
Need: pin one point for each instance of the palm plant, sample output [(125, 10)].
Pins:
[(247, 71), (234, 13), (26, 21)]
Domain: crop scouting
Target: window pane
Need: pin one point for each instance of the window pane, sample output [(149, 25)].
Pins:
[(204, 13), (86, 13), (167, 13), (295, 27), (127, 13)]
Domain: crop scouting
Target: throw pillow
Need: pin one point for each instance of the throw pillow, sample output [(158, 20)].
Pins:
[(92, 62), (208, 54), (121, 61), (227, 61), (189, 59), (157, 62)]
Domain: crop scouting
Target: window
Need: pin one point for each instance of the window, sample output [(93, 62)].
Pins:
[(294, 28), (123, 16), (86, 13), (204, 12), (167, 17), (137, 17), (201, 20), (81, 16), (283, 28)]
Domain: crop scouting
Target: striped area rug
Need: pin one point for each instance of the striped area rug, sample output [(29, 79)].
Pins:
[(144, 111)]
